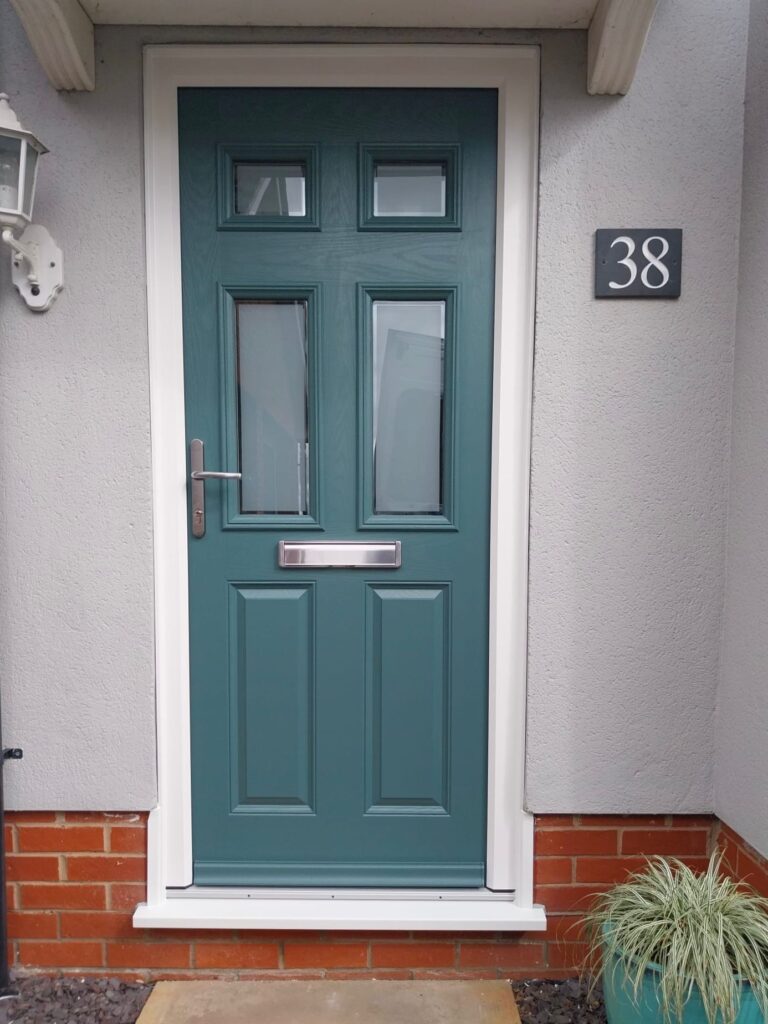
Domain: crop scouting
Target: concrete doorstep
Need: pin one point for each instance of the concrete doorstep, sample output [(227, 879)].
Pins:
[(329, 1002)]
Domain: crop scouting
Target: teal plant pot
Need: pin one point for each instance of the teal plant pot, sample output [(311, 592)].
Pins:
[(621, 1008)]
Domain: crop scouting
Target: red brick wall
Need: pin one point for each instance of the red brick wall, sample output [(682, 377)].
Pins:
[(743, 861), (74, 880)]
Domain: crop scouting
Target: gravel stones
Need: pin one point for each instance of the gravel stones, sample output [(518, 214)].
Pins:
[(76, 1000), (558, 1002)]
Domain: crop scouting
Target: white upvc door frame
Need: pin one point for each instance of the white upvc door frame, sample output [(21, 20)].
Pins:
[(513, 71)]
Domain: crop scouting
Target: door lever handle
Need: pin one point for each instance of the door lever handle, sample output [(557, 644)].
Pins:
[(213, 474), (198, 475)]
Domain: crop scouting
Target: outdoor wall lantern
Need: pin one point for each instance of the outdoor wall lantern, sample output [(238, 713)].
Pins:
[(36, 264)]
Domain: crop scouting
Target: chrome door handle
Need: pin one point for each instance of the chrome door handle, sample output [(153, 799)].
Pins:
[(198, 475), (213, 474)]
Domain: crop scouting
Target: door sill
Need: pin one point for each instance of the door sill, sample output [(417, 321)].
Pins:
[(339, 910), (206, 892)]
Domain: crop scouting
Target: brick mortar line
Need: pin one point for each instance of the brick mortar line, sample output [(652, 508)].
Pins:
[(90, 853), (78, 853), (654, 821), (606, 856), (118, 820), (67, 825), (621, 829)]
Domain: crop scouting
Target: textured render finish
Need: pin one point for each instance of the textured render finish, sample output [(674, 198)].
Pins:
[(630, 426), (76, 616), (630, 429), (741, 793)]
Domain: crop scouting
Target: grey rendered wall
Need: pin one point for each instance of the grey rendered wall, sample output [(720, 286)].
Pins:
[(630, 426), (630, 431), (741, 768), (76, 616)]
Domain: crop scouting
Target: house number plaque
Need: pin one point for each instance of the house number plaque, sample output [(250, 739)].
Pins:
[(638, 263)]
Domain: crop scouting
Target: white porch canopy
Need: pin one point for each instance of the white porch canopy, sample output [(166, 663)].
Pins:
[(61, 31)]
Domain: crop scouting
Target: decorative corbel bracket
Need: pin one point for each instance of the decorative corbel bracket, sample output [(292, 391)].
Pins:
[(617, 36), (61, 34), (36, 266)]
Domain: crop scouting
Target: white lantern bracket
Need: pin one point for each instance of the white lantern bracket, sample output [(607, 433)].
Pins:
[(36, 262), (36, 266)]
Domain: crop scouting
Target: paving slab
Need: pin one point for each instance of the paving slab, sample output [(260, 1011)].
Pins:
[(330, 1002)]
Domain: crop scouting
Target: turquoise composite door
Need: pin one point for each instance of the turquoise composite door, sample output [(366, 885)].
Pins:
[(338, 269)]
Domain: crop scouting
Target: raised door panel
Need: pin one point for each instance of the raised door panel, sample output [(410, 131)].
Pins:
[(408, 700), (272, 698)]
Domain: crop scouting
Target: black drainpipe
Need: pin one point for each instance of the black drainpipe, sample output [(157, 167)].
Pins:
[(6, 988)]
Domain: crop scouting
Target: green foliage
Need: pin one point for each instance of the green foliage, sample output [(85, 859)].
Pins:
[(700, 930)]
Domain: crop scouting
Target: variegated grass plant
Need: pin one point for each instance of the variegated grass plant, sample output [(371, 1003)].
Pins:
[(701, 930)]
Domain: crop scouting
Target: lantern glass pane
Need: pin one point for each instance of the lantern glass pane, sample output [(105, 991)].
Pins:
[(29, 179), (10, 163)]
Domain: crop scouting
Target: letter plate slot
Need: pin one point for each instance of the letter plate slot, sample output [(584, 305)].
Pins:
[(338, 554)]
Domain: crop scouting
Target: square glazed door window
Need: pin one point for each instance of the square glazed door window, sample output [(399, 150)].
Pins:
[(409, 188), (268, 188)]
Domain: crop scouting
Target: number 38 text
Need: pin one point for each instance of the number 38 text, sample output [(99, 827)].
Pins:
[(638, 263)]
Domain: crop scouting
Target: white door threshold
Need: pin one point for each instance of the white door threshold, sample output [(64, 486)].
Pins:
[(330, 913)]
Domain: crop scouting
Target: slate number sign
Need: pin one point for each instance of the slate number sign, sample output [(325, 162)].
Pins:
[(638, 263)]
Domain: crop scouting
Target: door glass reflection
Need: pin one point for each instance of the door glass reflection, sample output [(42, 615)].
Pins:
[(272, 397), (408, 387), (270, 189), (408, 190)]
